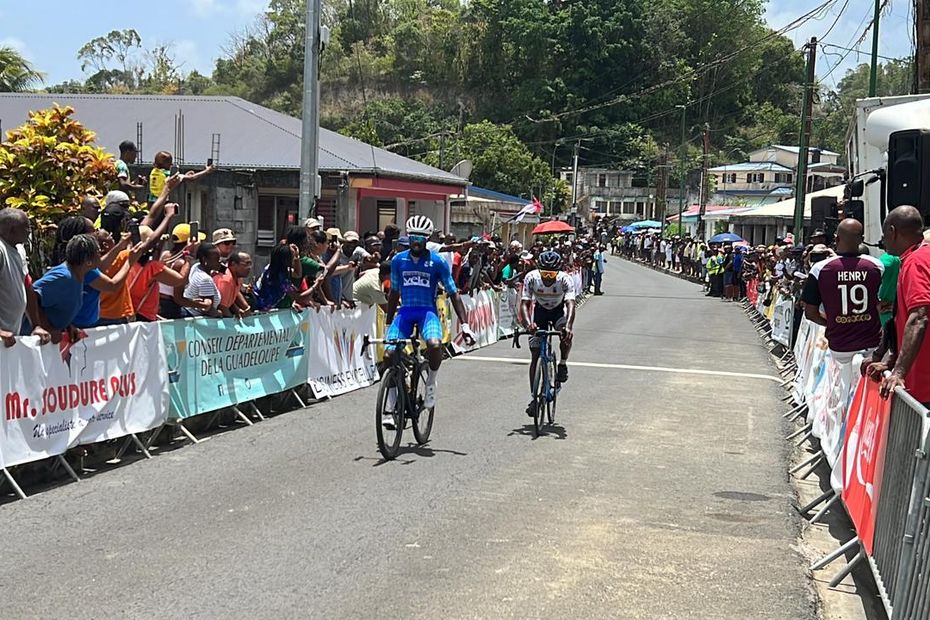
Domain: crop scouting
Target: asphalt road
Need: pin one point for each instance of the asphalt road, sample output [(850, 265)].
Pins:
[(662, 494)]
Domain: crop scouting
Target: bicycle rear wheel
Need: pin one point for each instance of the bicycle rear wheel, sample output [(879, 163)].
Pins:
[(554, 386), (389, 440), (422, 417), (539, 382)]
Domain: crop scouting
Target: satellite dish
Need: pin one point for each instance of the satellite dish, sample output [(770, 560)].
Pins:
[(462, 169)]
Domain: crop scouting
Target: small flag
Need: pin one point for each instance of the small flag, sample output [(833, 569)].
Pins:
[(534, 208)]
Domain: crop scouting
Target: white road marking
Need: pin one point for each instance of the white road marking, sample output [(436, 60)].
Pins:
[(683, 371)]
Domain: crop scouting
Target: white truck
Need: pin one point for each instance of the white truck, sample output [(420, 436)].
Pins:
[(874, 120)]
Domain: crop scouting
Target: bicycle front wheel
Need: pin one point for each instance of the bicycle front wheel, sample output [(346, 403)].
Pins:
[(391, 402), (422, 417)]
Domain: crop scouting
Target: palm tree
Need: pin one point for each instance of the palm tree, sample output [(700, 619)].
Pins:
[(16, 73)]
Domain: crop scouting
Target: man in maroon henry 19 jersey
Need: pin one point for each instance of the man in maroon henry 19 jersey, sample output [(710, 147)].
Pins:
[(847, 287)]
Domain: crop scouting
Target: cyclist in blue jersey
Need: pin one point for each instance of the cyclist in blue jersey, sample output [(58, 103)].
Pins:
[(415, 276)]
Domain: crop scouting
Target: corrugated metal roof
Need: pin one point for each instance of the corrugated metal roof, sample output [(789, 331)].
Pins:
[(481, 192), (251, 136), (752, 166), (797, 149)]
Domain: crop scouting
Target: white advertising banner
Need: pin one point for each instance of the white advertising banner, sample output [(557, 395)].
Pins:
[(507, 313), (829, 404), (334, 346), (810, 336), (782, 320), (481, 318), (110, 383)]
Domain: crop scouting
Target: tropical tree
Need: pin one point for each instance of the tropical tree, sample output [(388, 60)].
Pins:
[(16, 73)]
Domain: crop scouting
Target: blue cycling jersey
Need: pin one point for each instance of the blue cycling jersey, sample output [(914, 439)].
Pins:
[(417, 279)]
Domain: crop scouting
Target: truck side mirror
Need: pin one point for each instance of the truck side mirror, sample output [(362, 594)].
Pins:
[(856, 188)]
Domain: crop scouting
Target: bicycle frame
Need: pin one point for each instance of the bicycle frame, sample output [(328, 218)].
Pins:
[(400, 359), (546, 357)]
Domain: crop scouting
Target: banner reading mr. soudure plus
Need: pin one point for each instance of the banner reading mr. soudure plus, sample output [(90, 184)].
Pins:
[(216, 363), (107, 385)]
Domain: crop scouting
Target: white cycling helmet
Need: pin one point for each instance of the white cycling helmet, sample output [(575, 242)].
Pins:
[(420, 225)]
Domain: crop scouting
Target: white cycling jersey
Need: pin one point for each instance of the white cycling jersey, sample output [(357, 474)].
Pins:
[(549, 297)]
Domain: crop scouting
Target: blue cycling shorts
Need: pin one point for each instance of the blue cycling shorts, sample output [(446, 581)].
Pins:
[(407, 318)]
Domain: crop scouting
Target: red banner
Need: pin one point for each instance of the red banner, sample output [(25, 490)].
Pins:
[(863, 457), (752, 291)]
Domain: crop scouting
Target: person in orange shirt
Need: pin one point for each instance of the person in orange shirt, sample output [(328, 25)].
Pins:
[(229, 284), (116, 306)]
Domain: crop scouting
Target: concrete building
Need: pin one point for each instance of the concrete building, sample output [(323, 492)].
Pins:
[(257, 151), (770, 174), (605, 191)]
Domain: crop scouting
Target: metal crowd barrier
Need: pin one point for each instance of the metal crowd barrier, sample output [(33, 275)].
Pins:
[(901, 552)]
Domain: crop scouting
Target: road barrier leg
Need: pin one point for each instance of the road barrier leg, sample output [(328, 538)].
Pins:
[(299, 400), (64, 463), (800, 413), (834, 554), (817, 517), (138, 442), (257, 411), (812, 469), (800, 431), (16, 488), (840, 576), (816, 457), (800, 407), (824, 497), (187, 433), (801, 441), (242, 416)]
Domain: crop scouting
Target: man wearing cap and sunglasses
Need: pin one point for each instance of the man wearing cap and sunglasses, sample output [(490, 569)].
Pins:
[(415, 276)]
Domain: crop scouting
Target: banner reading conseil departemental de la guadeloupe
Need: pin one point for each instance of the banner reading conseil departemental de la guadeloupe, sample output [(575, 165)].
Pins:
[(216, 363)]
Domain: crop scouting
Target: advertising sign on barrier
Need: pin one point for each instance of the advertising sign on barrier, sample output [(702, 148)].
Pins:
[(782, 319), (507, 313), (829, 404), (863, 455), (336, 364), (480, 310), (216, 363), (752, 292), (107, 385), (810, 335)]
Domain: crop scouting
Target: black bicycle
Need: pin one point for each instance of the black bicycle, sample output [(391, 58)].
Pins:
[(406, 375), (546, 385)]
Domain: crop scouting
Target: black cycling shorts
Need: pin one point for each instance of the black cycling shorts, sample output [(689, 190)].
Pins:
[(547, 320)]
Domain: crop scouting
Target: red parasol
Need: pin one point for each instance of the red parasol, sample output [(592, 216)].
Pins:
[(548, 228)]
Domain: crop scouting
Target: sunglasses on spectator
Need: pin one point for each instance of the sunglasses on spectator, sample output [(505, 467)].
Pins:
[(233, 242)]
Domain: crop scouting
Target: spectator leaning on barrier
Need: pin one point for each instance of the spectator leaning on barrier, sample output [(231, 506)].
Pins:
[(201, 291), (60, 291), (275, 288), (229, 284), (150, 273), (909, 360), (14, 232), (846, 285)]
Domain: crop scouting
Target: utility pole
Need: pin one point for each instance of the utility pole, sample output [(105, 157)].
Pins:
[(575, 179), (310, 121), (873, 69), (682, 167), (703, 208), (923, 46), (662, 188), (804, 143)]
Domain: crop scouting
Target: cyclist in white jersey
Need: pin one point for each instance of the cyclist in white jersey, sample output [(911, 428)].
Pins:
[(553, 292)]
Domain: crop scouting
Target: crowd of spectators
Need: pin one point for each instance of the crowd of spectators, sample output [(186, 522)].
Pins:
[(113, 265)]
